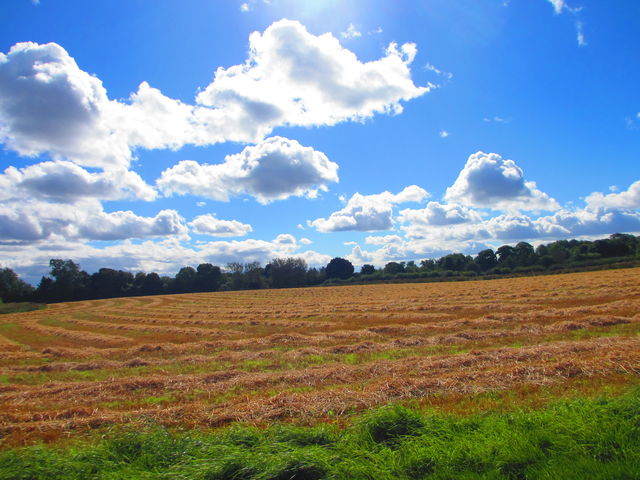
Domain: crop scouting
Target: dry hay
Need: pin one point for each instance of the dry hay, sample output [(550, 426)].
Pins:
[(212, 358)]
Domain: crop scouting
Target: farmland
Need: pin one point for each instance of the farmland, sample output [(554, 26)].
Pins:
[(311, 355)]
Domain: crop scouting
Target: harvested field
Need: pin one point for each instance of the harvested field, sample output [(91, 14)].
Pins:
[(309, 354)]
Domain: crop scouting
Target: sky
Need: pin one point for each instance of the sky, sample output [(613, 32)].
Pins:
[(148, 136)]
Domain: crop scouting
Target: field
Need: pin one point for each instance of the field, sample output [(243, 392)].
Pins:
[(315, 356)]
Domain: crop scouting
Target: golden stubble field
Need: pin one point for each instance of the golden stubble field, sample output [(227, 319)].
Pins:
[(309, 354)]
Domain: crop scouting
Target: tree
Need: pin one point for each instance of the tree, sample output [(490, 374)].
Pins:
[(486, 259), (185, 280), (315, 276), (617, 245), (208, 278), (454, 261), (253, 276), (505, 254), (524, 254), (152, 284), (107, 282), (12, 288), (427, 264), (339, 268), (286, 272), (392, 268), (367, 269), (70, 282)]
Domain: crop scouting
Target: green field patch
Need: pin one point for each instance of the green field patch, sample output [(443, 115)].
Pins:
[(30, 340), (20, 307), (594, 438)]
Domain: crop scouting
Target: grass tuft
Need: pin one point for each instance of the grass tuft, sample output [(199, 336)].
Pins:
[(570, 439)]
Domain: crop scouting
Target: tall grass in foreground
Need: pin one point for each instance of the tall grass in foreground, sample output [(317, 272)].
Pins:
[(577, 439)]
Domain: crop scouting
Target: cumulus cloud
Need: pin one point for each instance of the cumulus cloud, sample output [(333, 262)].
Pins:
[(438, 214), (292, 77), (126, 224), (48, 104), (424, 241), (295, 78), (383, 240), (164, 256), (629, 199), (487, 180), (367, 213), (32, 221), (516, 227), (272, 170), (210, 225), (63, 181)]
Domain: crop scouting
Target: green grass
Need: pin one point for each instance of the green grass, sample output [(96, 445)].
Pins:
[(571, 439), (20, 307)]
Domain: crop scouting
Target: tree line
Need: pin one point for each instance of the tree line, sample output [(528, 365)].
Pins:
[(66, 281)]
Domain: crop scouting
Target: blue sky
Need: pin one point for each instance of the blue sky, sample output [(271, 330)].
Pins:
[(152, 135)]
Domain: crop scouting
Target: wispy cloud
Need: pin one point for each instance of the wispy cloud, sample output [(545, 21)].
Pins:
[(351, 32), (560, 6), (432, 68), (496, 119)]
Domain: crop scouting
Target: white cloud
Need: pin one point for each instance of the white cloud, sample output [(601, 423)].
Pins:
[(580, 34), (437, 214), (496, 119), (305, 241), (558, 5), (166, 256), (509, 227), (432, 68), (272, 170), (125, 225), (63, 181), (210, 225), (351, 32), (383, 240), (244, 7), (425, 241), (31, 221), (49, 105), (295, 78), (443, 134), (368, 213), (487, 180), (629, 199)]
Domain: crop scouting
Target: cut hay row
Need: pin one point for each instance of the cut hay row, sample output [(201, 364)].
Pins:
[(210, 321), (350, 387), (609, 354), (526, 334), (150, 328), (94, 338), (8, 345), (210, 358)]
